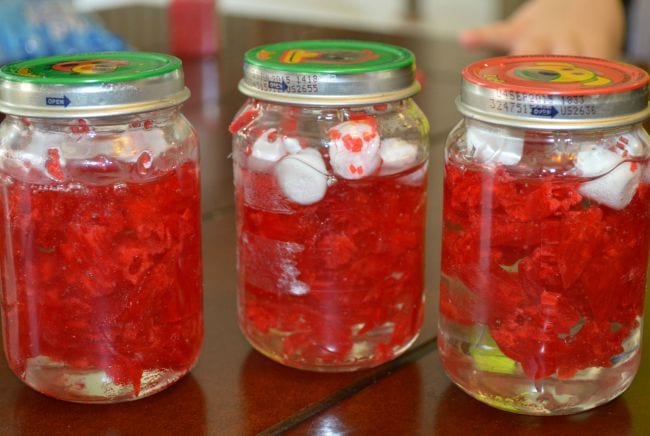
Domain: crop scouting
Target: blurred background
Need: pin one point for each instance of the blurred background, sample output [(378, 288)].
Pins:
[(438, 18), (33, 28)]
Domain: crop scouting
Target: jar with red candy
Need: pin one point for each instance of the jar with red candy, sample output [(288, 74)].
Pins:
[(546, 231), (330, 159), (99, 226)]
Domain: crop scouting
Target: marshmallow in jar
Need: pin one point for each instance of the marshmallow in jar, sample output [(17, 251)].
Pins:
[(330, 159), (547, 226)]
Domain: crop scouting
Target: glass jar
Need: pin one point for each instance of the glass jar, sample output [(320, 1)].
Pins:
[(99, 226), (546, 233), (330, 160)]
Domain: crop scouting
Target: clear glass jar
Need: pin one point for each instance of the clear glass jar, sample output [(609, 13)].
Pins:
[(546, 233), (100, 234), (330, 206)]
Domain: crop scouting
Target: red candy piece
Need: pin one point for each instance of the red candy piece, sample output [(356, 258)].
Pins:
[(243, 119), (81, 128), (353, 144), (53, 164)]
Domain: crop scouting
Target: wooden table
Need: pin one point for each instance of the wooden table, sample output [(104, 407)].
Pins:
[(236, 391)]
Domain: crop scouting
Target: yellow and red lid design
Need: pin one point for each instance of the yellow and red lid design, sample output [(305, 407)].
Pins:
[(559, 91)]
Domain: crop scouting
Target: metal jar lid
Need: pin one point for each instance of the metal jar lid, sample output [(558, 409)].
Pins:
[(92, 85), (554, 92), (329, 73)]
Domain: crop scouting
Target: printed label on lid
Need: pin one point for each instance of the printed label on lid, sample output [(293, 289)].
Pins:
[(560, 72), (90, 68), (518, 90), (73, 68), (556, 75), (339, 57), (330, 56)]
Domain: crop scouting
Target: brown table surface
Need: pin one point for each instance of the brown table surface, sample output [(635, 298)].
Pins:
[(234, 390)]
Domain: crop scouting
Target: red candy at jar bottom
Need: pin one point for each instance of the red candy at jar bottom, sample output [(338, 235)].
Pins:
[(555, 281), (102, 283), (336, 285)]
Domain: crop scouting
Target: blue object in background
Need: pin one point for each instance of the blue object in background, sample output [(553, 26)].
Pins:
[(35, 28)]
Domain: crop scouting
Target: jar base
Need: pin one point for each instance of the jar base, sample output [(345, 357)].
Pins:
[(500, 382), (95, 386), (261, 344), (550, 397)]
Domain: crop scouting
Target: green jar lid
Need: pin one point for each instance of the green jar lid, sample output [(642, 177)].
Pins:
[(329, 72), (92, 84)]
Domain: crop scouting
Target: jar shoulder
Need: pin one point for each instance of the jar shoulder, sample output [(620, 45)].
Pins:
[(529, 152), (140, 146)]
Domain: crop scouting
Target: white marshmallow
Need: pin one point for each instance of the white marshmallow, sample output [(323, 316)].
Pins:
[(265, 148), (645, 178), (416, 177), (616, 189), (495, 146), (633, 145), (616, 181), (292, 145), (354, 150), (628, 145), (303, 176), (594, 160), (397, 155)]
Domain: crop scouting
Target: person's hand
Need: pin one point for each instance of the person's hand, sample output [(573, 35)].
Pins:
[(573, 27)]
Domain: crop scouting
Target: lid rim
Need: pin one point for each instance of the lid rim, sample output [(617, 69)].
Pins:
[(97, 111), (329, 100), (561, 124), (73, 86), (555, 92), (329, 72)]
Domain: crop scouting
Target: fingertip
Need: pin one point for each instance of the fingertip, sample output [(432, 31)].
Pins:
[(497, 36), (467, 38)]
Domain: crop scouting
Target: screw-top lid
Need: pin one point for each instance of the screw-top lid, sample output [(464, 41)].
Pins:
[(92, 84), (329, 72), (555, 92)]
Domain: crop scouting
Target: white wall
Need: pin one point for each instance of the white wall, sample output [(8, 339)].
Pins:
[(447, 17), (436, 17), (361, 14), (442, 18)]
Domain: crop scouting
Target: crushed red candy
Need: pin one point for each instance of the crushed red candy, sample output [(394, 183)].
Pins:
[(243, 119), (319, 279), (103, 277), (558, 279), (53, 164)]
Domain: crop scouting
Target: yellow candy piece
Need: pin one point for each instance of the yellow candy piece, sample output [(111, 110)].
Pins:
[(488, 357)]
